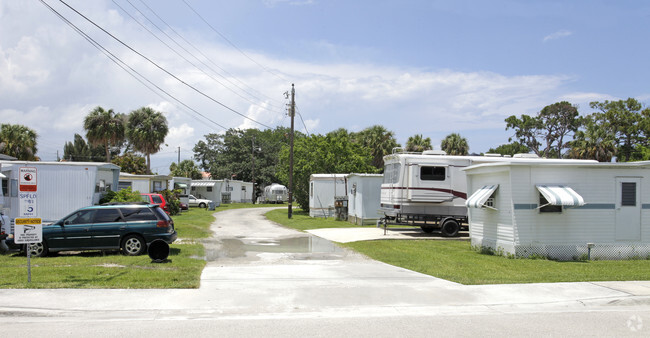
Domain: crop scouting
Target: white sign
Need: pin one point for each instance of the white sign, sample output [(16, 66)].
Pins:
[(27, 179), (27, 201), (28, 230)]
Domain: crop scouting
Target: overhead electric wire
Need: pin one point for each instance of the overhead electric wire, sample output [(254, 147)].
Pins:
[(233, 45), (209, 59), (303, 121), (184, 58), (161, 68), (122, 65)]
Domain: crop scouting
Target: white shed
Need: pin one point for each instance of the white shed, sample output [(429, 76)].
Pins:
[(144, 183), (561, 211), (323, 190), (62, 187), (364, 194)]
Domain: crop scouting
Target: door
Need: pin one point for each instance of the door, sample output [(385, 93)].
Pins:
[(628, 209), (75, 230), (107, 229)]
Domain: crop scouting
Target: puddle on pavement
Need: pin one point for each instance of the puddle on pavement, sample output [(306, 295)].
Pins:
[(244, 247)]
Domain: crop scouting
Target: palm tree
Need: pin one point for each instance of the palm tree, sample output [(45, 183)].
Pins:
[(594, 143), (146, 130), (418, 144), (104, 128), (454, 144), (379, 141), (18, 141)]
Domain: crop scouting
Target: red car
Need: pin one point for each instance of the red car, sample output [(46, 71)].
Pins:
[(158, 199)]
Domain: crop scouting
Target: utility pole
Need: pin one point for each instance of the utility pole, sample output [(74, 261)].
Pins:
[(292, 113), (253, 169), (179, 156)]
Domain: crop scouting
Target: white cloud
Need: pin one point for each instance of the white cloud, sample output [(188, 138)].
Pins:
[(558, 35)]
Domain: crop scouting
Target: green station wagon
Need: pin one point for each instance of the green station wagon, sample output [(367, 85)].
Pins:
[(126, 227)]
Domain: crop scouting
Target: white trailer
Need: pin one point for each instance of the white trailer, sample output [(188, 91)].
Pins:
[(61, 187), (561, 211), (324, 190), (364, 193), (275, 193), (429, 190)]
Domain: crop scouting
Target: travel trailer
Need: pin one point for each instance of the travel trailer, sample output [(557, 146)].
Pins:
[(324, 191), (275, 193), (429, 190)]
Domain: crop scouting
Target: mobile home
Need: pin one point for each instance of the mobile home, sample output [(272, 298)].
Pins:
[(207, 189), (324, 189), (561, 211), (364, 192), (430, 189), (144, 183), (61, 187)]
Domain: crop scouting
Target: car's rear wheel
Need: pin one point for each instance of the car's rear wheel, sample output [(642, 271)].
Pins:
[(133, 245), (37, 249), (201, 205), (450, 228)]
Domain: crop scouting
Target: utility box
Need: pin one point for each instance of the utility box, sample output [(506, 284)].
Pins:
[(341, 208)]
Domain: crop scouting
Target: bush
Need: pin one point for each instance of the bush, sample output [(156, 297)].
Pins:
[(126, 195), (173, 203)]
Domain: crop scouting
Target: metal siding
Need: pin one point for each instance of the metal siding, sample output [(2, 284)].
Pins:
[(64, 189)]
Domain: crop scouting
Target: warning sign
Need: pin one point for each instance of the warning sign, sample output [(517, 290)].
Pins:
[(27, 179), (28, 230)]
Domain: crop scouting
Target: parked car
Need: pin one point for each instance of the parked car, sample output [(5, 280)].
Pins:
[(126, 227), (184, 206), (198, 202), (155, 199)]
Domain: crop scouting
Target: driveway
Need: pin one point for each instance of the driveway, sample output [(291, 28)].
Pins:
[(258, 269)]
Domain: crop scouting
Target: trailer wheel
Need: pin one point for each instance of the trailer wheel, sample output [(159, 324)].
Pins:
[(450, 228), (427, 228)]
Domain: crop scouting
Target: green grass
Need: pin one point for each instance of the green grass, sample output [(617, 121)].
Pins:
[(300, 220), (458, 262), (92, 269)]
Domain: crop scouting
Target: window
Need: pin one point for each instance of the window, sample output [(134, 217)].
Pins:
[(228, 188), (81, 217), (156, 199), (123, 185), (107, 216), (209, 189), (157, 186), (243, 188), (5, 190), (391, 172), (311, 189), (138, 214), (628, 194), (548, 207), (100, 186), (432, 173), (490, 202)]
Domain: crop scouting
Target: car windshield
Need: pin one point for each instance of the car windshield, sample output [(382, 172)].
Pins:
[(156, 199)]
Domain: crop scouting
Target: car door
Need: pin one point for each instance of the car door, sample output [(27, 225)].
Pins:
[(75, 231), (107, 229)]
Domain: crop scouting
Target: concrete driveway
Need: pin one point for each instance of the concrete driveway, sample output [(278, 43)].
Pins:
[(259, 269)]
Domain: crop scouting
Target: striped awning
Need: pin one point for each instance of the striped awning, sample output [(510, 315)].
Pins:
[(479, 197), (560, 195), (203, 184)]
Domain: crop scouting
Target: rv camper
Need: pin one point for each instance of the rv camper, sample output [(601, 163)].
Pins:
[(430, 189), (275, 193)]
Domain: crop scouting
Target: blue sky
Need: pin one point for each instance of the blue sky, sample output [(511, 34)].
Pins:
[(415, 67)]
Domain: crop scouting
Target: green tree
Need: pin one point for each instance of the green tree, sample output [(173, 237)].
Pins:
[(625, 120), (549, 128), (18, 141), (187, 168), (594, 143), (510, 149), (317, 154), (131, 163), (80, 151), (454, 144), (104, 128), (146, 130), (379, 142), (417, 143)]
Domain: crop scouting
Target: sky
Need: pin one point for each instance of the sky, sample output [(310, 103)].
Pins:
[(415, 67)]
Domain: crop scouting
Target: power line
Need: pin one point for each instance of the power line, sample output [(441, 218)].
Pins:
[(303, 121), (233, 45), (161, 68), (188, 52), (122, 65)]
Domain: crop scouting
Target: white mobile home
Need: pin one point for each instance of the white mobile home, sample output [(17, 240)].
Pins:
[(237, 191), (61, 187), (324, 189), (561, 211), (144, 183), (364, 193), (207, 189), (180, 183)]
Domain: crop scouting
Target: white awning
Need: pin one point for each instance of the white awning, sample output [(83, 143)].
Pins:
[(181, 185), (203, 184), (561, 195), (479, 197)]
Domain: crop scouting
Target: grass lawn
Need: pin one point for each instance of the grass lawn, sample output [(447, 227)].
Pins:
[(92, 269), (458, 262)]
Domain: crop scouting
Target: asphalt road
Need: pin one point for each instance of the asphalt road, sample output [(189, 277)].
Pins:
[(265, 280)]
